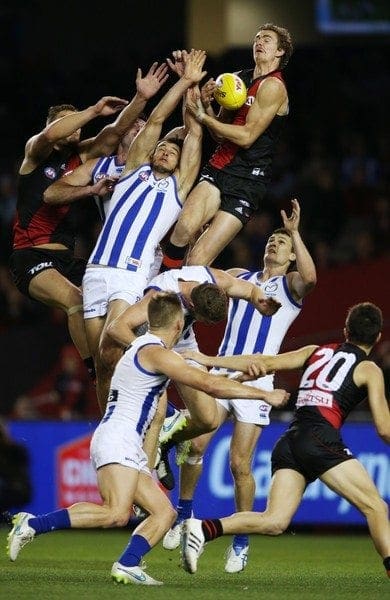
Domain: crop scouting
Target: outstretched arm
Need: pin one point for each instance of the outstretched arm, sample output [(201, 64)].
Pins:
[(245, 290), (270, 97), (144, 144), (247, 363), (191, 154), (77, 185), (39, 146), (156, 358), (302, 281)]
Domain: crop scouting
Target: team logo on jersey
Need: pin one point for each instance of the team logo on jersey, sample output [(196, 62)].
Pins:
[(249, 101), (144, 175), (258, 171), (162, 185), (271, 287), (50, 172)]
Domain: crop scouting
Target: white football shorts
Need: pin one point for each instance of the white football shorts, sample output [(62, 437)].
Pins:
[(102, 285), (114, 442), (249, 411)]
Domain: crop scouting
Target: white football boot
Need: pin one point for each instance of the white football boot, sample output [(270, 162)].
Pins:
[(192, 544), (236, 559), (20, 535), (125, 575)]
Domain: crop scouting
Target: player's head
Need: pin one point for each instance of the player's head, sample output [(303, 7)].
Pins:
[(363, 324), (166, 155), (279, 250), (209, 302), (273, 41), (61, 110), (165, 310), (131, 133)]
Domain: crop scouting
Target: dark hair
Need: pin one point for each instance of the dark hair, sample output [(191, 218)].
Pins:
[(174, 140), (55, 110), (284, 41), (364, 322), (163, 308), (210, 303)]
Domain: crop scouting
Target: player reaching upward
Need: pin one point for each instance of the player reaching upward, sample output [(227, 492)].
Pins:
[(233, 183)]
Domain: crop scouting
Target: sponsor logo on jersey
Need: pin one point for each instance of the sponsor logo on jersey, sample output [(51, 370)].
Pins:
[(100, 176), (249, 101), (50, 173), (40, 266), (144, 175), (133, 261)]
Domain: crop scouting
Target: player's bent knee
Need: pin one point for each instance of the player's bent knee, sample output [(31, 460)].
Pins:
[(118, 518), (274, 526)]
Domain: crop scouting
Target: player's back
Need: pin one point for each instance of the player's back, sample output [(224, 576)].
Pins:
[(327, 390)]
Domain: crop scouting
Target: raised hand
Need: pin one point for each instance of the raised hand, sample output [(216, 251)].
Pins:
[(207, 92), (292, 222), (178, 62), (109, 105), (193, 66), (155, 78), (194, 104)]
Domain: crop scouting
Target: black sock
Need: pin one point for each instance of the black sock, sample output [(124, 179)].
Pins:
[(173, 256), (90, 367), (386, 564), (212, 528)]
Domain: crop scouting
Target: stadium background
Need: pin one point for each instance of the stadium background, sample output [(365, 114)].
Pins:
[(334, 157)]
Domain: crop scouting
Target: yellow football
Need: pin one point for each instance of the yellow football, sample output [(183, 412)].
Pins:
[(230, 91)]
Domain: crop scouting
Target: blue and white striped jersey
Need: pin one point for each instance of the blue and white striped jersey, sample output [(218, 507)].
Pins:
[(247, 331), (134, 391), (139, 214), (107, 166)]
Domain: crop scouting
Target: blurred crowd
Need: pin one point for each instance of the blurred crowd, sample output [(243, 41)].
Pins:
[(334, 157)]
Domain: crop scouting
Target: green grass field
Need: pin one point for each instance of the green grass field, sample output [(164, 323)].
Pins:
[(74, 565)]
